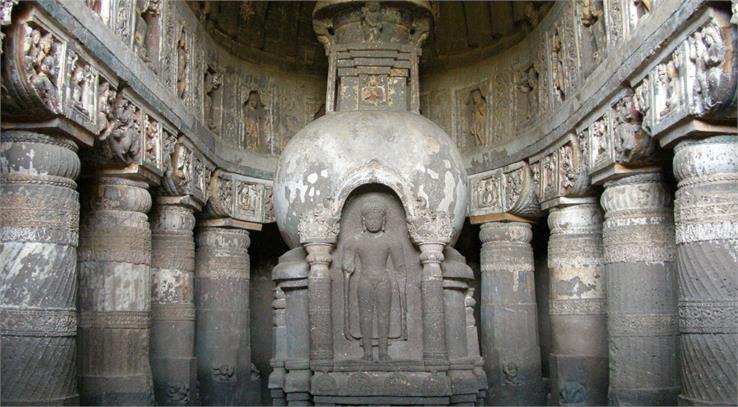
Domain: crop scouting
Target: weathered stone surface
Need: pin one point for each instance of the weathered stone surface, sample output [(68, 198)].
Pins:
[(640, 255), (579, 367), (223, 346), (706, 221), (512, 357), (115, 293), (173, 363), (39, 224)]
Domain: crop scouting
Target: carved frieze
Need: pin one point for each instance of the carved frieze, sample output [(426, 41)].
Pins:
[(80, 101), (695, 76), (190, 171), (240, 198), (507, 190)]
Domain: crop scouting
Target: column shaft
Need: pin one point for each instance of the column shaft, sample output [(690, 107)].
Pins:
[(172, 303), (39, 224), (579, 371), (115, 293), (706, 220), (223, 345), (435, 352), (319, 303), (638, 236), (509, 320)]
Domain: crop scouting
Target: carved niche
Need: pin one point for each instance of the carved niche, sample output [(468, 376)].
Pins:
[(256, 118), (592, 34), (473, 115), (527, 86), (147, 31), (213, 98), (81, 92), (376, 280), (183, 64)]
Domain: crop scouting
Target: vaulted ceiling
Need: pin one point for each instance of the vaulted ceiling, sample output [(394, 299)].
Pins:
[(281, 32)]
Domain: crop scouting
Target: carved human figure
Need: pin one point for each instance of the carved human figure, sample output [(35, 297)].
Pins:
[(371, 21), (254, 116), (489, 197), (125, 133), (477, 116), (370, 251), (528, 84), (40, 64), (672, 83), (557, 61), (212, 84)]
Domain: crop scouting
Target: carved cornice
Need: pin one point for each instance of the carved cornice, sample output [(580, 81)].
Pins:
[(240, 197)]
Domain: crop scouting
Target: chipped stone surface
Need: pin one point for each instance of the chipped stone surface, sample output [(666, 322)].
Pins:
[(39, 224)]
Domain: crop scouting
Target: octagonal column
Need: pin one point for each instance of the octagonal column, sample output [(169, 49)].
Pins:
[(172, 301), (510, 347), (638, 236), (706, 220), (579, 370), (223, 345), (39, 223), (115, 293)]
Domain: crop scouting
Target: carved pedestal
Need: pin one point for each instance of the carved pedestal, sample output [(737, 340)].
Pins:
[(579, 367), (39, 222), (638, 237), (223, 345), (706, 220), (115, 293), (509, 323), (172, 301)]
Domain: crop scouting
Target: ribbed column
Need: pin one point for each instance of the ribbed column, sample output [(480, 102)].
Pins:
[(640, 255), (706, 219), (115, 293), (510, 348), (435, 353), (319, 303), (172, 302), (39, 224), (223, 345), (579, 368)]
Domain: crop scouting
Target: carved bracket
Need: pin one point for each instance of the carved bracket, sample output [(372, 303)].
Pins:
[(694, 77), (189, 172), (240, 197)]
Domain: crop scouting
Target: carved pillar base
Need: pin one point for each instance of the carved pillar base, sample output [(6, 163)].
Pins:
[(39, 223), (579, 369), (115, 293), (222, 295), (172, 302), (706, 218), (638, 236), (509, 323)]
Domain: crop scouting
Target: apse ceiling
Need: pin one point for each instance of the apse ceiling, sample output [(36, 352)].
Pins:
[(281, 32)]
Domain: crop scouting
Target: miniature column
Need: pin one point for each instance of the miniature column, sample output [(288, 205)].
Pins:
[(173, 363), (510, 347), (579, 369), (319, 303), (223, 345), (434, 340), (39, 224), (638, 237), (706, 220), (115, 293)]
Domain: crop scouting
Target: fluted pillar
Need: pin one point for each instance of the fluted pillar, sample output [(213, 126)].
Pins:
[(640, 255), (115, 293), (706, 220), (579, 370), (509, 325), (173, 363), (39, 223), (223, 345)]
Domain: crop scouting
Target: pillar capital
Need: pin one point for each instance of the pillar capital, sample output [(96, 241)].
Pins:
[(505, 232)]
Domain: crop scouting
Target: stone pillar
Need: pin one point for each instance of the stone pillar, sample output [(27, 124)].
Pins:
[(223, 345), (579, 370), (509, 317), (172, 301), (115, 293), (319, 303), (434, 340), (638, 237), (706, 219), (39, 223)]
